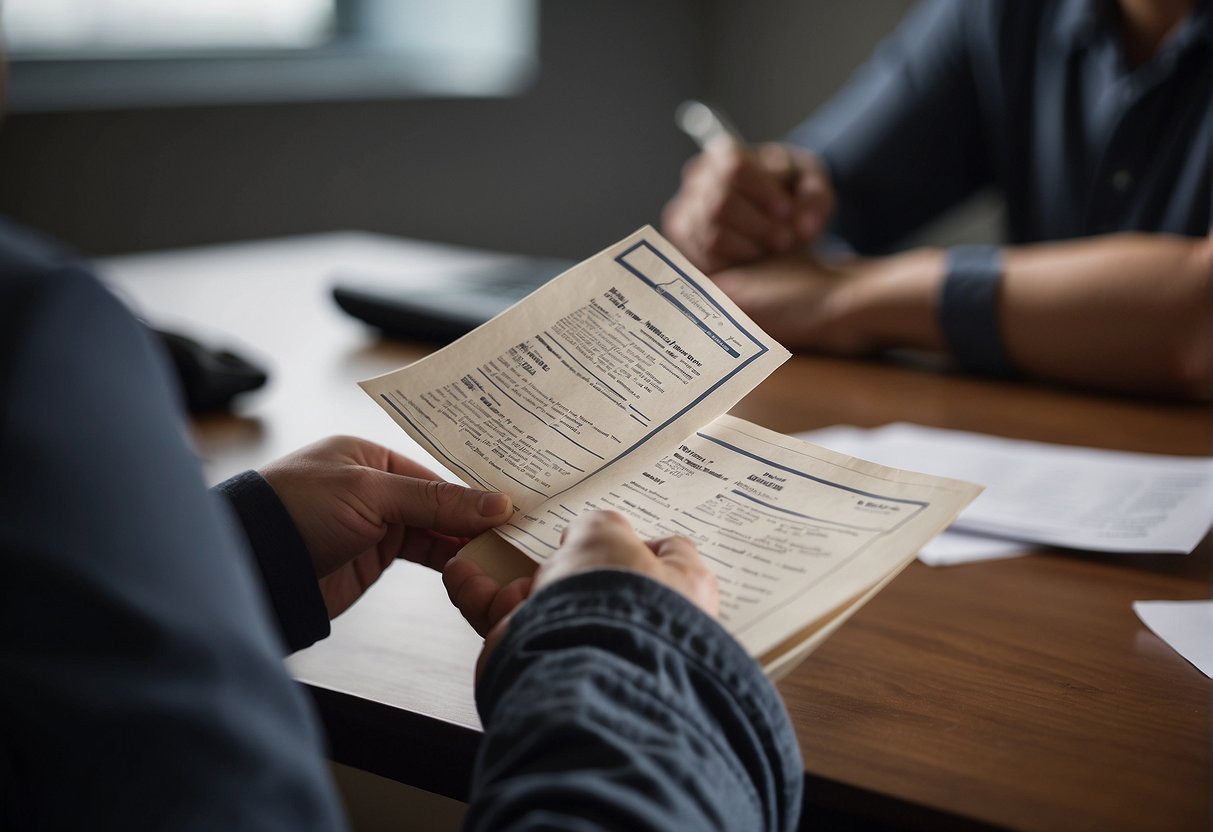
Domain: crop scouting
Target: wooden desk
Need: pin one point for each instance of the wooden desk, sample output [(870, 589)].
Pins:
[(1022, 693)]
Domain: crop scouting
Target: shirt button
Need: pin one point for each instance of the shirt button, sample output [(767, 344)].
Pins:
[(1122, 180)]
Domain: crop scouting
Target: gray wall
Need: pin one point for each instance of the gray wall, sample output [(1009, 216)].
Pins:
[(582, 158)]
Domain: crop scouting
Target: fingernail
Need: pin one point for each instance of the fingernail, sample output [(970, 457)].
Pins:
[(493, 503)]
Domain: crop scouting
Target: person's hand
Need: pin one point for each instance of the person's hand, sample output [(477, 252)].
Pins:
[(736, 204), (599, 540), (359, 506), (850, 308), (605, 540)]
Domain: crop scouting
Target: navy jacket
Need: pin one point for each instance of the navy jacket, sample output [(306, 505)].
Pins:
[(143, 624)]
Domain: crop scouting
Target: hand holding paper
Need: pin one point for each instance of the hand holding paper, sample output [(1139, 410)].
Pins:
[(607, 389)]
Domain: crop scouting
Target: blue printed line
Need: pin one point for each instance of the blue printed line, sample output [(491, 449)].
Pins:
[(659, 353), (454, 463), (528, 534), (808, 476), (520, 482), (805, 516), (536, 415), (621, 259), (588, 372), (701, 520), (718, 560), (565, 461)]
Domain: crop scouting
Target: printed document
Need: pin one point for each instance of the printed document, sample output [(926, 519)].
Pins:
[(1187, 626), (1056, 495), (607, 389)]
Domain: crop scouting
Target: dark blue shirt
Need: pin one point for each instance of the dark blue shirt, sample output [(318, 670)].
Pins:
[(1037, 99), (142, 681)]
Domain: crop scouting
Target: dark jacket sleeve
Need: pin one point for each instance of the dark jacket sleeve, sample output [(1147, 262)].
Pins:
[(143, 684), (614, 703), (903, 139), (282, 560)]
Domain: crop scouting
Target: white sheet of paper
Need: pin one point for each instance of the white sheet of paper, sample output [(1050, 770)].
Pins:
[(1186, 626), (1057, 495), (952, 547), (948, 548)]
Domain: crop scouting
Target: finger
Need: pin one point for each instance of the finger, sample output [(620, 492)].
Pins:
[(471, 591), (429, 548), (814, 205), (595, 540), (442, 506), (695, 580), (743, 218), (404, 466), (675, 546), (680, 554), (507, 599), (814, 197), (741, 172), (725, 247), (780, 164), (599, 525)]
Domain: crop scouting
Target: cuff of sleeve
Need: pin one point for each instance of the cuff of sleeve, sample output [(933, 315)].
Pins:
[(968, 309), (656, 630), (282, 559), (638, 605)]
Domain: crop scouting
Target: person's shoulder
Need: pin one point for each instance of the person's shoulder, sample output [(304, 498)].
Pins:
[(23, 249), (34, 266)]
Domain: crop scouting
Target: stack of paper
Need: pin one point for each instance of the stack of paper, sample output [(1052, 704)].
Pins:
[(607, 389), (1043, 494)]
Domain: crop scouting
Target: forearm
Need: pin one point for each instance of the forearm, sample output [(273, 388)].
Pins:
[(1128, 312), (1125, 312), (288, 580), (612, 702)]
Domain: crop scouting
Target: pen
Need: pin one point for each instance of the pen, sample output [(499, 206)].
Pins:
[(705, 124)]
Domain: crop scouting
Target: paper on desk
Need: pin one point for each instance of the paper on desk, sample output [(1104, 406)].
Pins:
[(1187, 626), (948, 548), (1056, 495), (607, 388), (952, 547)]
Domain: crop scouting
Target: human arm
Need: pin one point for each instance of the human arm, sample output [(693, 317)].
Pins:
[(873, 161), (612, 700), (1122, 312), (324, 523), (143, 682), (736, 204)]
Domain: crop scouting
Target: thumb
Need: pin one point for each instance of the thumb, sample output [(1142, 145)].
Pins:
[(444, 507)]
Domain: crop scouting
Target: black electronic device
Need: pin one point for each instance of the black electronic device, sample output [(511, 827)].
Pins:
[(450, 305)]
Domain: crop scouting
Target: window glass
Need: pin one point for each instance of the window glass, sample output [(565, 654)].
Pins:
[(132, 26), (96, 54)]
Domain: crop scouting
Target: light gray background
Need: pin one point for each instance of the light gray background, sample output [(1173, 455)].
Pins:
[(582, 158)]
